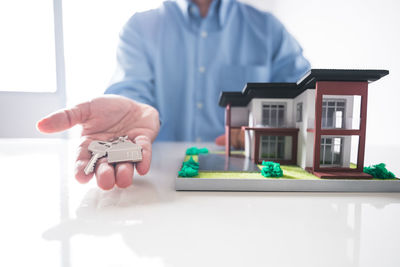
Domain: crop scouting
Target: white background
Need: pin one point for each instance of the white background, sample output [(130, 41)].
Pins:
[(352, 34), (334, 34)]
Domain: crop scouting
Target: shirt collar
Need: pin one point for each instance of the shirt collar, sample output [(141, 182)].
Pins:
[(222, 8)]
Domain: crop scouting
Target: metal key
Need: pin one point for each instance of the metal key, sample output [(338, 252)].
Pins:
[(124, 150), (99, 149)]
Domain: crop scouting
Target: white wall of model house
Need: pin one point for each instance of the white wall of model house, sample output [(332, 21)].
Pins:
[(305, 148), (256, 107)]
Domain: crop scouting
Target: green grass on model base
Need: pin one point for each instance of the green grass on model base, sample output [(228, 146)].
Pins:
[(194, 157), (295, 172), (289, 172)]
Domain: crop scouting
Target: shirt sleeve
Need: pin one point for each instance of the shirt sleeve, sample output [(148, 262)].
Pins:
[(134, 75), (288, 62)]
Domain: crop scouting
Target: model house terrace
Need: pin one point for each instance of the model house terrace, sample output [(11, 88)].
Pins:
[(318, 123)]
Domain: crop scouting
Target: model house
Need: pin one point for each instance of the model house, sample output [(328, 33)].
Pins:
[(318, 123)]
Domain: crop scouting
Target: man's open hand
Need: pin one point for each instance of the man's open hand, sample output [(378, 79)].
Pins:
[(105, 118)]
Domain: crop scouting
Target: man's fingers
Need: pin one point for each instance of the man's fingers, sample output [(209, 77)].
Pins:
[(82, 159), (80, 175), (64, 119), (220, 140), (237, 139), (123, 174), (144, 166), (105, 174)]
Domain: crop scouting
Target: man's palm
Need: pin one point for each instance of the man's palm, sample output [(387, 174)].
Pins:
[(105, 118)]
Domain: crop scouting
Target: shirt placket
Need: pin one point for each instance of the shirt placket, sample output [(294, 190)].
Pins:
[(199, 104)]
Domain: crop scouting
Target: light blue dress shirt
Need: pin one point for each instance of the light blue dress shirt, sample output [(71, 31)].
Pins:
[(178, 62)]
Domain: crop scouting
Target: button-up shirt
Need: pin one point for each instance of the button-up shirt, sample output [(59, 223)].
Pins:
[(179, 62)]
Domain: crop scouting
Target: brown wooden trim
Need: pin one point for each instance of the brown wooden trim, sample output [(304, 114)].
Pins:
[(339, 174), (228, 115), (258, 132), (337, 169), (339, 132), (295, 140), (228, 130), (270, 130), (336, 131), (317, 126), (339, 88), (342, 175), (256, 148), (363, 128), (342, 88)]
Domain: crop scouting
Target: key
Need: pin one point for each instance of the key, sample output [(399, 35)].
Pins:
[(124, 150), (99, 149)]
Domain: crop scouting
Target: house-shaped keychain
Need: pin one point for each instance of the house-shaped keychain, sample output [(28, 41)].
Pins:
[(318, 123), (124, 150)]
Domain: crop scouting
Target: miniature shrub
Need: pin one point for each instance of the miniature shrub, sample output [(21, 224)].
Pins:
[(271, 169), (195, 151), (189, 168), (379, 171)]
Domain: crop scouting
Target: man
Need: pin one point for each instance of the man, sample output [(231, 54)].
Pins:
[(173, 62)]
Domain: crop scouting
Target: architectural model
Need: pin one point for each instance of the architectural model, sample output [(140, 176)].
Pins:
[(285, 122), (317, 124)]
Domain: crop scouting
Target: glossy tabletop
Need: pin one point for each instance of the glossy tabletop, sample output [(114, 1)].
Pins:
[(49, 219)]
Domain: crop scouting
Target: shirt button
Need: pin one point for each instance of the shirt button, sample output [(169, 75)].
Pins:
[(204, 34), (202, 69), (199, 105)]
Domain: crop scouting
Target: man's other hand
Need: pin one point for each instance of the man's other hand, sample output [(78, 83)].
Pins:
[(237, 139), (106, 118)]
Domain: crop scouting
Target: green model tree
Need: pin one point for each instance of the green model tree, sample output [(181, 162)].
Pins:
[(190, 168), (195, 151), (379, 171), (271, 169)]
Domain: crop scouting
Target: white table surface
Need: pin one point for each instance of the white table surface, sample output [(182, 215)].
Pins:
[(49, 219)]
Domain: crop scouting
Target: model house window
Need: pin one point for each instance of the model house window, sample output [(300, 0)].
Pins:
[(299, 112), (333, 113), (331, 151), (273, 115), (272, 147)]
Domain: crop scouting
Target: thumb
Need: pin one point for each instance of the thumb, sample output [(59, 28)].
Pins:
[(64, 119), (145, 142)]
